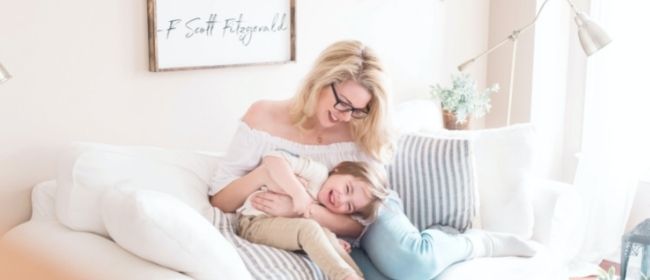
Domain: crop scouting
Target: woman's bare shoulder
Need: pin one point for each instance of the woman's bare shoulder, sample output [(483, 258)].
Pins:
[(264, 114)]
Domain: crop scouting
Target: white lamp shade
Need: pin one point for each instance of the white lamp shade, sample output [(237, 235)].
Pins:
[(592, 36), (4, 74)]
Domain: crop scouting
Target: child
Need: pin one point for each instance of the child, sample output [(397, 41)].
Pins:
[(351, 188)]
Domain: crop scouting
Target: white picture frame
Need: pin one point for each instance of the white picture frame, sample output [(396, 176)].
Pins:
[(198, 34)]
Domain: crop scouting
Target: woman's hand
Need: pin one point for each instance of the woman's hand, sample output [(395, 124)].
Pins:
[(275, 204)]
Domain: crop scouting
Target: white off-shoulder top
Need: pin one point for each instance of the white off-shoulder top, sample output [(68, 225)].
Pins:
[(249, 145)]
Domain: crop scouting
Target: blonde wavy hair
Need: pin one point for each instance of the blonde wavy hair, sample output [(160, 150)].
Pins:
[(350, 61)]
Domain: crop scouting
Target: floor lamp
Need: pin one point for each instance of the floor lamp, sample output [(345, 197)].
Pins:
[(4, 74), (592, 38)]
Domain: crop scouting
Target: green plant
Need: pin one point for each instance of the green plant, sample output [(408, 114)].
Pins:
[(610, 274), (463, 99), (607, 275)]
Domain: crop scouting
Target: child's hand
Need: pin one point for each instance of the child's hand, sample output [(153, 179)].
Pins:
[(346, 245)]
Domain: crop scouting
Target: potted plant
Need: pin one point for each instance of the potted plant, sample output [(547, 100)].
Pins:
[(462, 101), (610, 274)]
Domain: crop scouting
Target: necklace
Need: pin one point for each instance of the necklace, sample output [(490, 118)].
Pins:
[(313, 133), (309, 136)]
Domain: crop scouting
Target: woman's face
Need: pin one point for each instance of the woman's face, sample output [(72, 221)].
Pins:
[(344, 194), (349, 92)]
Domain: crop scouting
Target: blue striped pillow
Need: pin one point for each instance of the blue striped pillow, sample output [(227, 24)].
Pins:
[(434, 177)]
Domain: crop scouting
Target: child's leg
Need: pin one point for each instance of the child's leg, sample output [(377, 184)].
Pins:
[(346, 257), (369, 270), (297, 234), (400, 251)]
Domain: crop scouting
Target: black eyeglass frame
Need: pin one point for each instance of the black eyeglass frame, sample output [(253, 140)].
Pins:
[(357, 113)]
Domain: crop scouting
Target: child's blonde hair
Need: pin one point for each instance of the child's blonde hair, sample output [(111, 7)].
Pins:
[(375, 176)]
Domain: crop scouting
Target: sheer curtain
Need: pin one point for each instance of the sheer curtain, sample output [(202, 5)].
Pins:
[(616, 128)]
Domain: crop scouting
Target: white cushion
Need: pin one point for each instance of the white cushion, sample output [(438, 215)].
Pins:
[(418, 115), (158, 227), (504, 158), (503, 165), (86, 171), (43, 201)]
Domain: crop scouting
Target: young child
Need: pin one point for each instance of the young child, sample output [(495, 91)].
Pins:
[(351, 188)]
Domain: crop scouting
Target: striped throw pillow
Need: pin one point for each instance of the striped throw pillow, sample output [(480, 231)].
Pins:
[(265, 262), (434, 177)]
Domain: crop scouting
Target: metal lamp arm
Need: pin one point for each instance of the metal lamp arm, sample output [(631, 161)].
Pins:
[(573, 8), (512, 37)]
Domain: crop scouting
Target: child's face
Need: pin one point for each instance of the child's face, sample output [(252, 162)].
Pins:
[(344, 194)]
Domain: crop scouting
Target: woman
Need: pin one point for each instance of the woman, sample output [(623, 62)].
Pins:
[(340, 114)]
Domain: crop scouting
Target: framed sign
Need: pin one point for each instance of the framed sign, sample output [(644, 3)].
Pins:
[(195, 34)]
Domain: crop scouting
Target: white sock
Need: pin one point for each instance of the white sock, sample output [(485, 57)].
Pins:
[(496, 244)]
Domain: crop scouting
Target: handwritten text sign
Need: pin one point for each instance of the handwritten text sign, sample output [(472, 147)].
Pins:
[(190, 34)]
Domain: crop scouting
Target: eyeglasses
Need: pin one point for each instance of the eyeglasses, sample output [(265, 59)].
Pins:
[(345, 107)]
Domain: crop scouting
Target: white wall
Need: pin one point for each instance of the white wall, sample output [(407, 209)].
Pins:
[(466, 31), (549, 79), (80, 74), (549, 91), (506, 16), (640, 208)]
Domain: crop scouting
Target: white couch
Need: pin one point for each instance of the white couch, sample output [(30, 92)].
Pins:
[(97, 256)]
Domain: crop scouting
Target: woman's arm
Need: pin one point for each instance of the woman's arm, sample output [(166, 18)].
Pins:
[(341, 225), (281, 206), (285, 181), (233, 195), (236, 177)]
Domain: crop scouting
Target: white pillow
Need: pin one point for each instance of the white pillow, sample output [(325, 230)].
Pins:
[(504, 158), (160, 228), (43, 201), (86, 171), (503, 166), (418, 115)]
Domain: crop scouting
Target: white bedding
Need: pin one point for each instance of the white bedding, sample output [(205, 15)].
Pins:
[(43, 201), (87, 254), (93, 252)]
